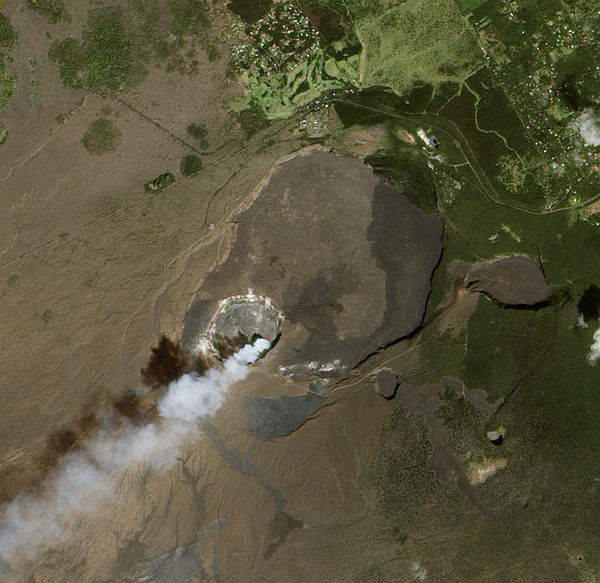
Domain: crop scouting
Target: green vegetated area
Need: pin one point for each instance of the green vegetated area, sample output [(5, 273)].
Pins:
[(50, 10), (335, 22), (467, 6), (250, 11), (7, 41), (160, 182), (190, 164), (534, 524), (285, 63), (543, 57), (513, 173), (539, 514), (431, 529), (198, 132), (458, 74), (117, 45), (101, 137), (404, 42), (538, 517)]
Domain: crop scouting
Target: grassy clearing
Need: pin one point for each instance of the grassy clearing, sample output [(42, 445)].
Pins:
[(101, 137), (417, 40)]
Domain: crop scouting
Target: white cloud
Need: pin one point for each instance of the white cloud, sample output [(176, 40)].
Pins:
[(594, 353), (419, 572), (588, 124)]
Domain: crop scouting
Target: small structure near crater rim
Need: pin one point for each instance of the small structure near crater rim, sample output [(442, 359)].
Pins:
[(242, 319)]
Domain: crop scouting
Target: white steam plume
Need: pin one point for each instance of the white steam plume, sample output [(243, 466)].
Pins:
[(85, 481)]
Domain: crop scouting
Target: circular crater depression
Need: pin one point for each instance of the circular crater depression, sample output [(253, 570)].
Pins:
[(241, 320)]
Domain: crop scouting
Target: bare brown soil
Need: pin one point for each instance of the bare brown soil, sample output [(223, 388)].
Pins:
[(458, 311), (362, 141), (92, 269), (92, 272), (479, 472)]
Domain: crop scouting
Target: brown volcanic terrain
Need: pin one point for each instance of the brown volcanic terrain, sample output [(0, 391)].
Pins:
[(347, 259), (305, 473), (94, 270), (245, 486)]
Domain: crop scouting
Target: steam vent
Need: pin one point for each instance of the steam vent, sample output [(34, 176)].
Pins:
[(242, 319)]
